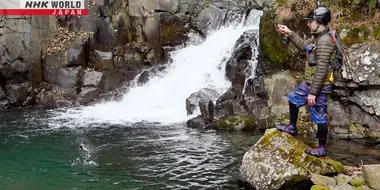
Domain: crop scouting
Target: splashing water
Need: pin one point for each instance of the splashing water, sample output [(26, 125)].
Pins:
[(162, 99)]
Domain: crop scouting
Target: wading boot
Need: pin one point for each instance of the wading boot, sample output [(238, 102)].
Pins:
[(289, 129), (319, 152)]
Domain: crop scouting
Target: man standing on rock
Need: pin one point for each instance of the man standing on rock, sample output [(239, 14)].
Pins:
[(316, 86)]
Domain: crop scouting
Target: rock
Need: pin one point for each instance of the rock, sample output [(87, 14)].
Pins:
[(278, 86), (323, 180), (91, 84), (204, 94), (149, 73), (22, 39), (344, 186), (207, 111), (172, 30), (103, 36), (239, 62), (234, 123), (71, 55), (336, 115), (319, 187), (187, 6), (357, 181), (278, 160), (65, 80), (371, 175), (49, 100), (361, 64), (341, 179), (210, 17), (368, 100), (18, 93), (196, 122), (140, 8)]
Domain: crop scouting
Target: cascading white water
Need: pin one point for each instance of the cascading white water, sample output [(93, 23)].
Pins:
[(162, 99)]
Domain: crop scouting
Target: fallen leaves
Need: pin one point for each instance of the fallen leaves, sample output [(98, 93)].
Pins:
[(63, 38)]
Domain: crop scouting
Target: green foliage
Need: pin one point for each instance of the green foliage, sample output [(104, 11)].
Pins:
[(372, 4)]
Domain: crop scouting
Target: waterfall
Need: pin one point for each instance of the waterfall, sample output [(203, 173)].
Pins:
[(162, 98)]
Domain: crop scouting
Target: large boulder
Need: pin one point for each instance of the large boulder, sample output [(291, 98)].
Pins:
[(204, 94), (278, 160), (277, 86)]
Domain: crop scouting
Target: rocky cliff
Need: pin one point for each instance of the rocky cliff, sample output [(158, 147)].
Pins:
[(65, 61)]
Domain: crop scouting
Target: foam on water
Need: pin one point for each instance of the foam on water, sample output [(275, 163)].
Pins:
[(162, 99)]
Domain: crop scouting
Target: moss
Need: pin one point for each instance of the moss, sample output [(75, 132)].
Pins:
[(270, 41), (319, 187), (359, 188), (242, 122), (361, 34), (357, 182), (298, 158)]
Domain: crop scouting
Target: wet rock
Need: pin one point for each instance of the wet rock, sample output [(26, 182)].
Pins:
[(210, 17), (371, 175), (207, 111), (281, 161), (18, 93), (242, 54), (196, 122), (234, 123), (103, 36), (65, 79), (52, 99), (172, 30), (150, 73), (90, 87), (204, 94)]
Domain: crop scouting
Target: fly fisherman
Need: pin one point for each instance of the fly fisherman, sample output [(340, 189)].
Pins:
[(316, 86)]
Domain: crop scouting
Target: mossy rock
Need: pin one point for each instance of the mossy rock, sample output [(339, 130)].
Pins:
[(235, 122), (319, 187), (357, 182), (271, 46), (278, 159), (354, 35)]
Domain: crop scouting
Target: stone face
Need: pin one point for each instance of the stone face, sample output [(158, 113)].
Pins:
[(362, 64), (140, 8), (278, 86), (22, 39)]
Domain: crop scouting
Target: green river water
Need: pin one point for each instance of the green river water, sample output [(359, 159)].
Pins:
[(39, 153)]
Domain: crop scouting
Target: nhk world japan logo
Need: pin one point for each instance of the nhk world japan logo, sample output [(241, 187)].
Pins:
[(44, 7)]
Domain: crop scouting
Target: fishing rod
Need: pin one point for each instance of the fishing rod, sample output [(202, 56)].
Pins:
[(284, 39)]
